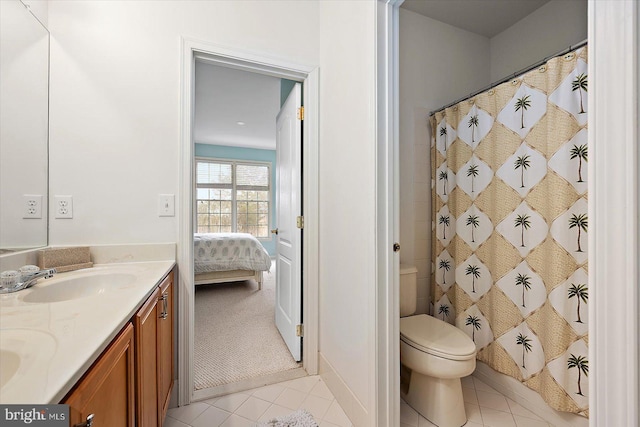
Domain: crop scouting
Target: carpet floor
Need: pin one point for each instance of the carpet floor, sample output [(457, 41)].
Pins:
[(235, 333)]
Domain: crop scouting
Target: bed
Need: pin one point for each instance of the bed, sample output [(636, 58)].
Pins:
[(229, 257)]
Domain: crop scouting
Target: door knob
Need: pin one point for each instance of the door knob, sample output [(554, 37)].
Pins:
[(396, 247), (274, 231)]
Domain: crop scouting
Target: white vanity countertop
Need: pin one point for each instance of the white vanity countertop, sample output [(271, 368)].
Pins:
[(54, 343)]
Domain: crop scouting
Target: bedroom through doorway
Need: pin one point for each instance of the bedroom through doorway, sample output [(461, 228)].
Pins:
[(237, 345)]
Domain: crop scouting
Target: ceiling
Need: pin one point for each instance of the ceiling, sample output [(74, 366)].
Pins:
[(484, 17), (224, 97)]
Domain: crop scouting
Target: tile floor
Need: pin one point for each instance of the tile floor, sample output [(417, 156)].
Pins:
[(247, 408), (485, 407)]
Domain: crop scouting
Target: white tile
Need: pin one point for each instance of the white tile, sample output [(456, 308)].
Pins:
[(212, 417), (291, 398), (327, 424), (231, 402), (253, 408), (187, 413), (274, 411), (469, 395), (495, 418), (408, 415), (336, 415), (172, 422), (473, 413), (482, 386), (316, 405), (304, 384), (467, 382), (269, 393), (517, 409), (211, 401), (237, 421), (472, 424), (493, 401), (529, 422), (322, 390)]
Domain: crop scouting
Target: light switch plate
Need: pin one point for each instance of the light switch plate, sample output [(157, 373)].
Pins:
[(166, 205)]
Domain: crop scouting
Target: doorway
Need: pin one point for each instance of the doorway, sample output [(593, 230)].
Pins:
[(243, 331), (244, 61)]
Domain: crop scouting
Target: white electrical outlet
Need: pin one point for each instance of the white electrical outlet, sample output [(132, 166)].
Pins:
[(63, 206), (32, 206), (166, 205)]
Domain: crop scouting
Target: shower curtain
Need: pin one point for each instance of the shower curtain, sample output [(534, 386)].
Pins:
[(509, 182)]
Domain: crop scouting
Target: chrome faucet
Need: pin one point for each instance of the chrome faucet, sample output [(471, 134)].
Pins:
[(14, 281)]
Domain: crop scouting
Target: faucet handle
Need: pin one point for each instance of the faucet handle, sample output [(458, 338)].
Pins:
[(29, 269), (9, 279)]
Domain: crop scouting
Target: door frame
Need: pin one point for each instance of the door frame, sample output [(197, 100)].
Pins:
[(277, 67), (387, 375)]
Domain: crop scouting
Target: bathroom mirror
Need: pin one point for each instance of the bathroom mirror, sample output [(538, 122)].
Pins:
[(24, 128)]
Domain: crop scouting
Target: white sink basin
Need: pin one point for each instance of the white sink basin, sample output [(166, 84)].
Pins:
[(9, 366), (75, 287), (24, 353)]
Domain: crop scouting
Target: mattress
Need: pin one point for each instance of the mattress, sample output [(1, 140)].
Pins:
[(229, 251)]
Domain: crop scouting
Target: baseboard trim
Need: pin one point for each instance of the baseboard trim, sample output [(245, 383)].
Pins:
[(248, 384), (527, 398), (343, 394)]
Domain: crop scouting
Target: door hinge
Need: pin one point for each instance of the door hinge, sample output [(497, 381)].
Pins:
[(300, 222), (299, 330), (300, 113)]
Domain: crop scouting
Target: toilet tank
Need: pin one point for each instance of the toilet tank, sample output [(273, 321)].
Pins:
[(408, 289)]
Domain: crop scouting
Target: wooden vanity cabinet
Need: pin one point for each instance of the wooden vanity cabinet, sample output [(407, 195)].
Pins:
[(106, 392), (154, 355), (130, 383), (146, 331), (165, 346)]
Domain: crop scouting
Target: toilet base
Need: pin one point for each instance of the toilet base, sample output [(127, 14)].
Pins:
[(438, 400)]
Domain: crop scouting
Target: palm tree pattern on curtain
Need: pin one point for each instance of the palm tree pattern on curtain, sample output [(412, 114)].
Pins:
[(444, 310), (509, 172)]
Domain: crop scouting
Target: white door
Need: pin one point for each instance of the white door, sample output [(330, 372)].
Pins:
[(288, 208)]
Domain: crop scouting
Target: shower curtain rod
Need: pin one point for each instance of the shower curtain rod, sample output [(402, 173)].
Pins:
[(512, 76)]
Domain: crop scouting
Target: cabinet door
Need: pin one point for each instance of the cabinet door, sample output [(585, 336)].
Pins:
[(146, 332), (165, 345), (107, 389)]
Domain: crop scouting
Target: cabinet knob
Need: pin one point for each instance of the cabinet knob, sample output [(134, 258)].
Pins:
[(87, 423)]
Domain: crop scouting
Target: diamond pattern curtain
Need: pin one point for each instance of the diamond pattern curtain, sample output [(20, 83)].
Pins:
[(509, 179)]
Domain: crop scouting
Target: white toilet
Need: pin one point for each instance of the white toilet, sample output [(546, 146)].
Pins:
[(434, 356)]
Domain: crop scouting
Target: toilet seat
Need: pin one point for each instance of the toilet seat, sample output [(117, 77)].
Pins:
[(433, 336)]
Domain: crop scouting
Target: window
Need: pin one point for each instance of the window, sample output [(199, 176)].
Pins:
[(233, 196)]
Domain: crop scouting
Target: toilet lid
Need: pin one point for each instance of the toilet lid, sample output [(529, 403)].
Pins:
[(433, 336)]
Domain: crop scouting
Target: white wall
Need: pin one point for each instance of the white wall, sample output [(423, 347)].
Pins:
[(115, 100), (548, 30), (438, 63), (40, 8), (347, 203), (24, 79)]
